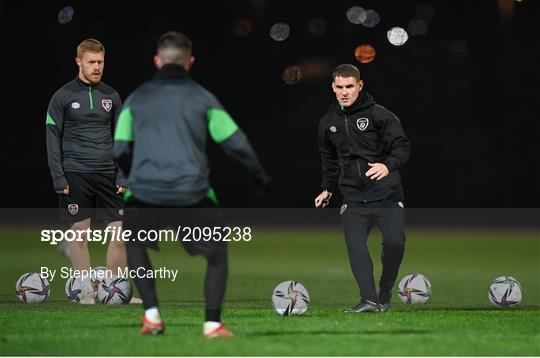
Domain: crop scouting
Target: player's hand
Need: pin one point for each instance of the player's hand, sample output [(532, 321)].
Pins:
[(264, 183), (121, 189), (377, 171), (323, 199), (64, 191)]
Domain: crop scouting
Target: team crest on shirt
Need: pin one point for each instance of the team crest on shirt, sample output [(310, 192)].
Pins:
[(75, 105), (73, 209), (362, 123), (107, 104), (342, 209), (333, 129)]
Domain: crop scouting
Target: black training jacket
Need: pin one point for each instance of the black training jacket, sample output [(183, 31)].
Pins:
[(161, 135), (350, 138), (80, 121)]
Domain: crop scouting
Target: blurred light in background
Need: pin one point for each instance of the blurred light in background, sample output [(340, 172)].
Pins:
[(372, 18), (364, 53), (356, 15), (65, 15), (292, 75), (397, 36), (242, 28), (317, 69), (280, 31), (417, 27), (317, 27)]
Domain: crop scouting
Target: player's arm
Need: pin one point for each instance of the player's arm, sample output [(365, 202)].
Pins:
[(225, 132), (54, 124), (329, 166), (121, 180), (396, 143), (124, 140)]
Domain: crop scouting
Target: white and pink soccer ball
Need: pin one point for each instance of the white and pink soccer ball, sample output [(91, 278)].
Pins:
[(414, 289), (505, 291), (32, 288)]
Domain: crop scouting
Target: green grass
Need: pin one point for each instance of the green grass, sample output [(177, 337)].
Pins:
[(458, 320)]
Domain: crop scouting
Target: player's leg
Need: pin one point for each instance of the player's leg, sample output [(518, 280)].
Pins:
[(116, 251), (79, 255), (140, 217), (76, 208), (215, 284), (80, 259), (110, 209), (138, 258), (391, 221), (206, 214), (357, 224)]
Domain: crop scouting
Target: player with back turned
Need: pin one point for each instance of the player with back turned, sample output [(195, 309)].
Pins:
[(160, 142)]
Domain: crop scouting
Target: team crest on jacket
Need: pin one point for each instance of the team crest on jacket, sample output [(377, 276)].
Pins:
[(333, 129), (362, 123), (107, 104), (342, 209), (73, 209)]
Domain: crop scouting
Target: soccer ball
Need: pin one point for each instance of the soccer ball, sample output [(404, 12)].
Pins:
[(114, 291), (414, 289), (32, 288), (98, 274), (290, 298), (74, 290), (505, 291)]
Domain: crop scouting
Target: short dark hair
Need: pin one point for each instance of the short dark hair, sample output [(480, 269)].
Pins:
[(346, 70), (90, 45), (174, 47)]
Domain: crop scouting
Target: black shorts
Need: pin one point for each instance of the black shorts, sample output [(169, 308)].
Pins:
[(204, 214), (91, 195)]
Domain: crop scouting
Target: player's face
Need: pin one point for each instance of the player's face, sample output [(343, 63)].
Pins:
[(346, 89), (91, 66)]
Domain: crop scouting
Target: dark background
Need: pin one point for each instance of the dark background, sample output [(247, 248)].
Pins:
[(471, 115)]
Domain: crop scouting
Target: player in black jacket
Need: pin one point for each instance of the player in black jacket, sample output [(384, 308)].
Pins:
[(362, 145)]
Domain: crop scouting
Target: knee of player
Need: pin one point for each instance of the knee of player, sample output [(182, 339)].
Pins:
[(116, 243), (80, 230), (216, 255), (394, 245)]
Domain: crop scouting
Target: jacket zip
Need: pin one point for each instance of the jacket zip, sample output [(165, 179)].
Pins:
[(360, 174), (90, 96), (357, 163)]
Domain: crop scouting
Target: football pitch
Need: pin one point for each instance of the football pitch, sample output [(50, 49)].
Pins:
[(458, 320)]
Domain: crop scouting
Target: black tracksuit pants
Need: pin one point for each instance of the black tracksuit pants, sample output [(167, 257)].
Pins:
[(357, 220)]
